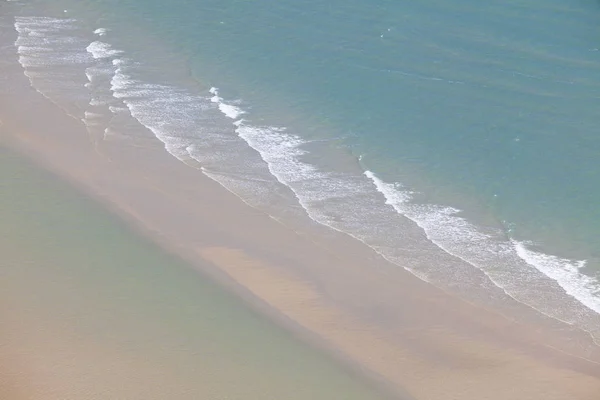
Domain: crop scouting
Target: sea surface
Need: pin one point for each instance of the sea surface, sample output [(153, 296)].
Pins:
[(456, 139)]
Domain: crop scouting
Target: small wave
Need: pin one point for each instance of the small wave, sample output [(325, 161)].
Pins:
[(229, 110), (102, 102), (70, 71), (532, 278), (100, 50), (50, 56), (101, 31), (171, 114), (192, 129), (566, 272)]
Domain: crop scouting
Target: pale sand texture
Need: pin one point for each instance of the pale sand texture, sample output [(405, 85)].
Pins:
[(457, 367), (337, 293), (91, 310)]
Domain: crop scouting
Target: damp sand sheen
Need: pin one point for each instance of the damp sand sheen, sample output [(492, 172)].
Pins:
[(94, 311)]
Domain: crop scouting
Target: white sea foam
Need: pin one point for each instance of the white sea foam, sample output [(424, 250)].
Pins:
[(100, 50), (230, 110), (70, 71), (97, 102), (53, 60), (169, 113), (339, 200), (566, 272), (530, 277), (116, 109), (193, 130), (99, 76), (101, 31)]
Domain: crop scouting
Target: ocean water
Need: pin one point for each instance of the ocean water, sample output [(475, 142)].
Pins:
[(454, 138)]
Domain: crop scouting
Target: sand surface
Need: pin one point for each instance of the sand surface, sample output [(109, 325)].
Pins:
[(93, 310)]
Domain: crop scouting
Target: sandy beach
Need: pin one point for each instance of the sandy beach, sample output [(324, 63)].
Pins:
[(94, 310), (332, 292)]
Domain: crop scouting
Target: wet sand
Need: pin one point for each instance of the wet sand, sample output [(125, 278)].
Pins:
[(377, 320)]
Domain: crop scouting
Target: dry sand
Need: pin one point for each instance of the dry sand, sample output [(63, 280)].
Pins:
[(336, 294)]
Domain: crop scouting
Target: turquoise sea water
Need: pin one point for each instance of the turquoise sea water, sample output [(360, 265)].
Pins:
[(453, 138)]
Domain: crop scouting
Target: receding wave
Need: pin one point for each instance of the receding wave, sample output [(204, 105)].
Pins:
[(49, 53), (111, 112), (68, 70), (193, 130)]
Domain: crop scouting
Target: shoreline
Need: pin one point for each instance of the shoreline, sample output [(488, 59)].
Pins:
[(310, 290)]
